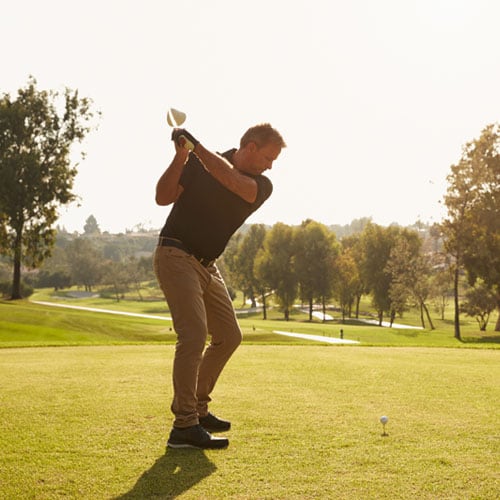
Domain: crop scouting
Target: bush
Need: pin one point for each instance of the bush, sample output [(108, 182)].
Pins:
[(6, 289)]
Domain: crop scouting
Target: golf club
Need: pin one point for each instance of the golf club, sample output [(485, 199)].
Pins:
[(175, 118)]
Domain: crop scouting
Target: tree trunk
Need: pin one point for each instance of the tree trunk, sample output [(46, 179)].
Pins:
[(457, 306), (422, 321), (358, 300), (426, 309), (264, 308), (324, 309), (310, 308), (16, 282), (497, 326)]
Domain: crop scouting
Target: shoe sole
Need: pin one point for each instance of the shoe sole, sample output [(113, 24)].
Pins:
[(177, 446)]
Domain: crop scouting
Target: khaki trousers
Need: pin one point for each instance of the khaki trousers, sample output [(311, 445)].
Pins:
[(200, 306)]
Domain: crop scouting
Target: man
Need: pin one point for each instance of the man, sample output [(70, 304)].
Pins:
[(212, 196)]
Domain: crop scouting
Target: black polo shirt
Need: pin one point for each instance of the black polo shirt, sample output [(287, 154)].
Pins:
[(207, 214)]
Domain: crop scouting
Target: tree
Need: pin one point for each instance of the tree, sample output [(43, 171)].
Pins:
[(346, 282), (472, 226), (316, 249), (248, 248), (117, 275), (91, 227), (353, 246), (410, 274), (85, 263), (480, 301), (274, 265), (377, 243), (441, 288), (37, 131)]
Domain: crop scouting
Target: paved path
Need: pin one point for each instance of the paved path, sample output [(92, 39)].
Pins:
[(319, 338), (108, 311)]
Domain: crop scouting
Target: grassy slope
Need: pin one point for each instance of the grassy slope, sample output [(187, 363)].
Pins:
[(91, 422), (26, 324)]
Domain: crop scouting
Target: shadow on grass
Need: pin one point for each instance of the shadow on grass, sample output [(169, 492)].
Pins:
[(171, 475), (490, 339)]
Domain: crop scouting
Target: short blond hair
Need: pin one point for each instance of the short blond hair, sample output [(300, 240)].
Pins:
[(262, 135)]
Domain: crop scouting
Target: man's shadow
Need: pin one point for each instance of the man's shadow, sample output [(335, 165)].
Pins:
[(172, 474)]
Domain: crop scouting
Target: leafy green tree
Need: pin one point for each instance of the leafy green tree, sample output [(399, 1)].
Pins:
[(249, 246), (441, 290), (479, 302), (410, 273), (472, 227), (316, 249), (37, 131), (377, 243), (91, 227), (353, 246), (274, 265), (85, 263), (117, 275), (57, 279), (346, 281)]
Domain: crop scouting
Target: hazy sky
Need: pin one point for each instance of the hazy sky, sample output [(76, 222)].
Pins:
[(375, 98)]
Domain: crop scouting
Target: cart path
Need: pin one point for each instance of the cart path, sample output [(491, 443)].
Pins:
[(318, 338), (108, 311)]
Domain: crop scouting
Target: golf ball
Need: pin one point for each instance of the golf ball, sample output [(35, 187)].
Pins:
[(384, 419)]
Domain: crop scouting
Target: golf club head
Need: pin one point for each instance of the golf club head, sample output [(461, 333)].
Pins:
[(175, 118)]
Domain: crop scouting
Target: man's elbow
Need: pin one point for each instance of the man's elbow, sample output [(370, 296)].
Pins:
[(162, 200)]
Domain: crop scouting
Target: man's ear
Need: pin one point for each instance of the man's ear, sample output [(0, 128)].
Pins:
[(252, 147)]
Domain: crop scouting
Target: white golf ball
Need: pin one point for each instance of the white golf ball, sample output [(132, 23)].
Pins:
[(384, 419)]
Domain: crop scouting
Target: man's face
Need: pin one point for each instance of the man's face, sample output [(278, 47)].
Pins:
[(261, 159)]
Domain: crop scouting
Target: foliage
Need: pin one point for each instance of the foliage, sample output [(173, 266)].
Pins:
[(410, 273), (377, 244), (315, 252), (85, 263), (346, 282), (250, 245), (472, 227), (6, 289), (480, 301), (37, 131), (275, 265), (91, 226)]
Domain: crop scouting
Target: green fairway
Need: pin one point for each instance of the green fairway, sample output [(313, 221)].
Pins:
[(23, 323), (91, 422)]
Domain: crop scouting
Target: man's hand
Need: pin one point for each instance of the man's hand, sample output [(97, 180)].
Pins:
[(183, 138)]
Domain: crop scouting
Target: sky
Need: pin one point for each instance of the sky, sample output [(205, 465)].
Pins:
[(375, 99)]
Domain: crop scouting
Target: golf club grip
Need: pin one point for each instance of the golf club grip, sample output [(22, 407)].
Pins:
[(186, 143)]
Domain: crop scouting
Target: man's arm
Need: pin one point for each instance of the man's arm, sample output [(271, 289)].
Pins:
[(222, 170), (168, 188)]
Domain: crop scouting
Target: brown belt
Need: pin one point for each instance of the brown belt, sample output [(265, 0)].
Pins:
[(172, 242)]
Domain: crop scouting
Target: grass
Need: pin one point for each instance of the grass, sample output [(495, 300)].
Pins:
[(91, 422), (84, 410), (27, 324)]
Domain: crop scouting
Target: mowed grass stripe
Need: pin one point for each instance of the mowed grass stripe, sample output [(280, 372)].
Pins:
[(91, 422)]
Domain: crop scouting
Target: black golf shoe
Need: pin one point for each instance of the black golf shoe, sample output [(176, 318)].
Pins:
[(195, 437), (213, 424)]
